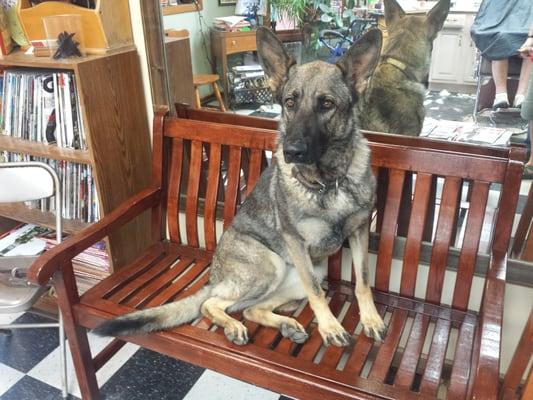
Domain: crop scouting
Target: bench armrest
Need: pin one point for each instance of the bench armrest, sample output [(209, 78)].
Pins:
[(46, 265), (490, 330)]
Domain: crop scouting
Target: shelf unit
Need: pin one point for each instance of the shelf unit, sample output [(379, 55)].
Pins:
[(116, 126)]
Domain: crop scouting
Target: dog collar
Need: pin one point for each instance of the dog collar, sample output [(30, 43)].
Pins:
[(407, 71), (317, 186)]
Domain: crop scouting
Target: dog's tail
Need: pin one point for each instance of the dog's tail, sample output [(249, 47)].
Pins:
[(157, 318)]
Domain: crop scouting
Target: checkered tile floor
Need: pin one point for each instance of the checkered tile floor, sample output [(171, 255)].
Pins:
[(29, 370)]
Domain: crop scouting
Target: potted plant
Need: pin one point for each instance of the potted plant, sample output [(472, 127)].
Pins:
[(312, 16)]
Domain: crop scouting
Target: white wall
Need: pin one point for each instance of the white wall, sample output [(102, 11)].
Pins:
[(138, 38), (191, 22)]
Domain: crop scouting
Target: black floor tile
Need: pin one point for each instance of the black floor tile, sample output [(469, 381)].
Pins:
[(522, 199), (29, 388), (25, 348), (148, 375)]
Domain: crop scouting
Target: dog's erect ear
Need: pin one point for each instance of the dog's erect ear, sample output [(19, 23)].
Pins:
[(274, 58), (359, 61), (436, 17), (393, 11)]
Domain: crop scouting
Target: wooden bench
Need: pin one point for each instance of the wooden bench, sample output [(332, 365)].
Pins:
[(430, 348)]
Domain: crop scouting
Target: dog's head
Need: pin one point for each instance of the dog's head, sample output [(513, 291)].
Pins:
[(422, 26), (411, 36), (317, 98)]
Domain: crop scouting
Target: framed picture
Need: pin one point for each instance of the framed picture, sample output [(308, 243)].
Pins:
[(243, 7), (227, 2)]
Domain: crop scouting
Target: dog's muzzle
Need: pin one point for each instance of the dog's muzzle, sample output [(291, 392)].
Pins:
[(296, 152)]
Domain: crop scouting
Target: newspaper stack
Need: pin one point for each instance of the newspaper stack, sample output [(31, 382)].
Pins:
[(231, 24), (248, 77), (90, 267)]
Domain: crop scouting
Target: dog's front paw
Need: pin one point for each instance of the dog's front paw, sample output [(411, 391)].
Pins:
[(373, 324), (333, 333), (294, 331), (236, 332)]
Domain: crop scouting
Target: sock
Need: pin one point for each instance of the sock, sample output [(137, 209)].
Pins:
[(501, 100), (518, 100)]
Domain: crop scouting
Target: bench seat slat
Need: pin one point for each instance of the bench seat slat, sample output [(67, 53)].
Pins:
[(411, 355)]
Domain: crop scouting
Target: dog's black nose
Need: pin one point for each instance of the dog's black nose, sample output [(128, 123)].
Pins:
[(295, 152)]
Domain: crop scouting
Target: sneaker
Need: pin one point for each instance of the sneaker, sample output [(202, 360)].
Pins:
[(500, 101), (518, 100)]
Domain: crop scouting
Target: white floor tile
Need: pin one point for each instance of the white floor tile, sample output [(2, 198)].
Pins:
[(8, 377), (47, 370), (214, 386), (6, 319), (524, 187)]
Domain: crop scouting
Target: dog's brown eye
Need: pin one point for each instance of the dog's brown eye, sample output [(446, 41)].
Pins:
[(289, 103), (327, 104)]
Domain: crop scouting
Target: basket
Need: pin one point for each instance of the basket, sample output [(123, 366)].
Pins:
[(249, 95)]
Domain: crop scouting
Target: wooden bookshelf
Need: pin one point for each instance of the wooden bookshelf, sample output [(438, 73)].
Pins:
[(116, 126), (19, 58), (22, 213), (38, 149)]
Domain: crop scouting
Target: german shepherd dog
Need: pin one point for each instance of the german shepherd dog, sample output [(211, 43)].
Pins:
[(393, 102), (317, 193)]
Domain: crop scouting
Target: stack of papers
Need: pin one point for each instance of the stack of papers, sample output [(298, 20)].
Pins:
[(469, 132), (231, 23)]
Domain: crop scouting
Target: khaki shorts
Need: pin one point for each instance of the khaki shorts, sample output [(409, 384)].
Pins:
[(527, 106)]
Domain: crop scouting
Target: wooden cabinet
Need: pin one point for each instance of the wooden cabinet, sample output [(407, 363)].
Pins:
[(453, 60), (179, 70), (116, 126)]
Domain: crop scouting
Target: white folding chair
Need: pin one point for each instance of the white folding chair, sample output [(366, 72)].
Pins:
[(27, 181)]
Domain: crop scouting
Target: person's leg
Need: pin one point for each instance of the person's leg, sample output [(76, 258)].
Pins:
[(499, 74), (525, 72), (529, 162), (527, 114)]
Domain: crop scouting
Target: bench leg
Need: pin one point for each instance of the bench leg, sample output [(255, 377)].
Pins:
[(67, 295)]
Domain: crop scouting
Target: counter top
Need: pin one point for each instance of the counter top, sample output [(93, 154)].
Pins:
[(421, 7)]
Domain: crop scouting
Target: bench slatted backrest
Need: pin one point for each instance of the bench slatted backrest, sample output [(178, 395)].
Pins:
[(464, 221), (413, 181), (226, 160)]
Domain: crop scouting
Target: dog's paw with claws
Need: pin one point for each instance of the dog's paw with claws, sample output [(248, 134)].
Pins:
[(294, 331), (236, 333), (373, 325), (334, 333)]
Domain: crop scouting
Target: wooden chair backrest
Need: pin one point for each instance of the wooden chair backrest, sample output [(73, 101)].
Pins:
[(189, 142), (185, 111)]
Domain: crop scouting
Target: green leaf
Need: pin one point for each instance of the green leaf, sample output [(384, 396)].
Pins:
[(326, 18), (339, 22), (347, 13), (324, 8)]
